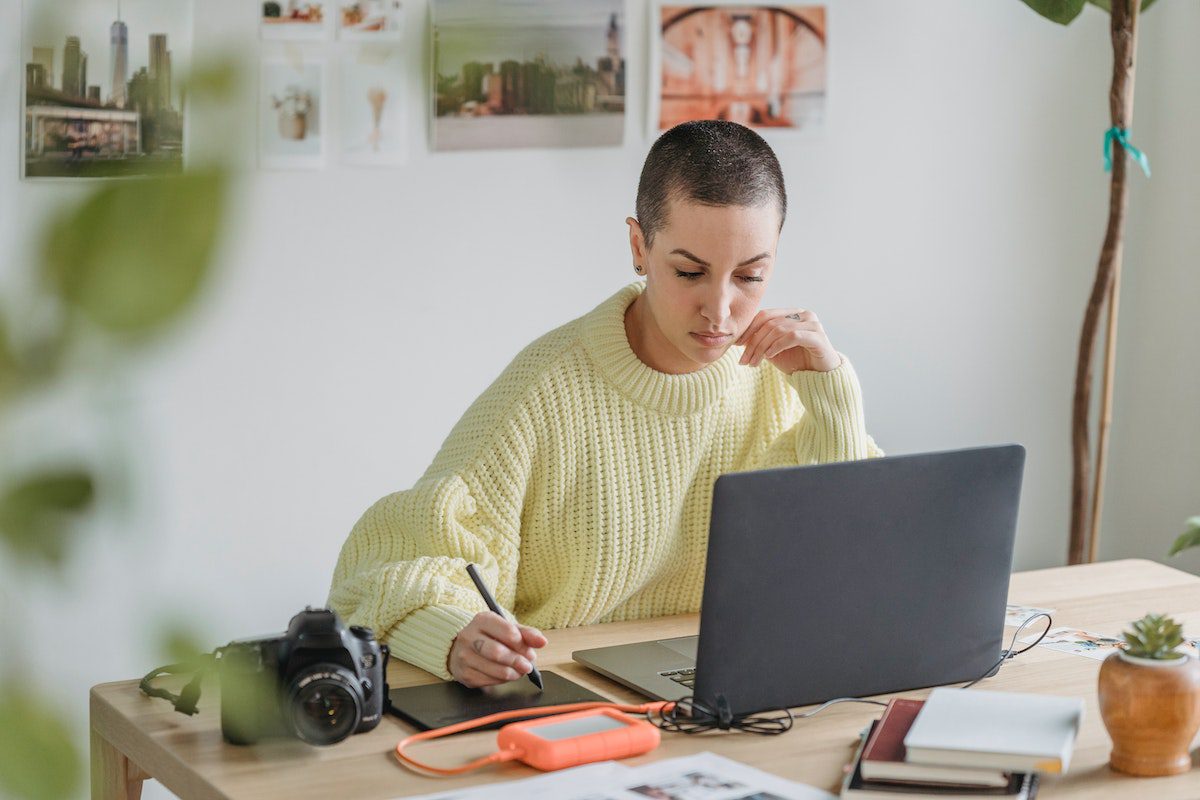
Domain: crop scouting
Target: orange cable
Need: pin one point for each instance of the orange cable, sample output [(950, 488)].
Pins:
[(509, 755)]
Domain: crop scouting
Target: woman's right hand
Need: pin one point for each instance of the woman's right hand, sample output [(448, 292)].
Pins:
[(492, 650)]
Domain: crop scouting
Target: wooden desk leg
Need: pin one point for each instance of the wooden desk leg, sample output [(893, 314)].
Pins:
[(114, 776)]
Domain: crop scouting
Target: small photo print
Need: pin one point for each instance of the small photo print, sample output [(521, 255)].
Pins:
[(292, 20), (371, 83), (103, 94), (763, 66), (291, 114), (1015, 615), (1078, 642), (370, 20)]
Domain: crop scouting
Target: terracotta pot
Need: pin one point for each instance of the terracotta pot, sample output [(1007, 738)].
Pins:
[(1152, 710)]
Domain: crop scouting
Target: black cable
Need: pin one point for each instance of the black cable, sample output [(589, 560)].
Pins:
[(184, 702), (691, 716), (1010, 653)]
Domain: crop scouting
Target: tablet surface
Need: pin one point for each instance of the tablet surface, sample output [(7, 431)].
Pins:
[(437, 705)]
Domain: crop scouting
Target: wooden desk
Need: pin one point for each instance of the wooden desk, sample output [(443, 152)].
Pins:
[(135, 737)]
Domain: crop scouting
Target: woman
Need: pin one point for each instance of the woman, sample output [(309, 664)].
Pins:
[(581, 480)]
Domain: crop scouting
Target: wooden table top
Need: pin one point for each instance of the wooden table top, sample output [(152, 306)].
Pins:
[(188, 755)]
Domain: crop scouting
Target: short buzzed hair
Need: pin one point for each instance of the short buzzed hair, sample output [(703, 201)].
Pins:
[(710, 162)]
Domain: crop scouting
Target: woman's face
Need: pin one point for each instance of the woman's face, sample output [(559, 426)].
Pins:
[(706, 273)]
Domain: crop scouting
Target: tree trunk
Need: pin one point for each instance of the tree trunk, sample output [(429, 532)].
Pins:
[(1120, 100)]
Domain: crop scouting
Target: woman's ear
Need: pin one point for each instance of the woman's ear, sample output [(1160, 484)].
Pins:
[(637, 243)]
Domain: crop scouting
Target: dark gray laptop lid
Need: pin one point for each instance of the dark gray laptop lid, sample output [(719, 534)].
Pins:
[(857, 578)]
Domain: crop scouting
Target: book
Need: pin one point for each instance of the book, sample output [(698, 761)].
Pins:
[(1000, 730), (1021, 786), (883, 758)]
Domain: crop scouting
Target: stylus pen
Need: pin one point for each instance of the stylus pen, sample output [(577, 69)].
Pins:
[(534, 676)]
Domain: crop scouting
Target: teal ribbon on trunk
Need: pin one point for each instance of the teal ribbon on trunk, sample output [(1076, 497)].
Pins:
[(1121, 135)]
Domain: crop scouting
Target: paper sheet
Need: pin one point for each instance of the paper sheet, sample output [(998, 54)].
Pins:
[(704, 776)]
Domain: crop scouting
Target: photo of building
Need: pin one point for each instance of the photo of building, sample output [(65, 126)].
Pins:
[(113, 106), (531, 74)]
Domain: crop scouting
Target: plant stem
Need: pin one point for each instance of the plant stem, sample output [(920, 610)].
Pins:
[(1120, 99)]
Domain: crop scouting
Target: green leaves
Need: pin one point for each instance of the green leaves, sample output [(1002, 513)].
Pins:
[(37, 514), (1064, 11), (1189, 538), (133, 255), (1154, 636), (1060, 11), (38, 760)]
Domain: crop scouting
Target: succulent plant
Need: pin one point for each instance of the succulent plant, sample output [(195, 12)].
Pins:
[(1154, 636)]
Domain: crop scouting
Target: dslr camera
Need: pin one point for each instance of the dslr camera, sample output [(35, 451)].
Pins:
[(319, 681)]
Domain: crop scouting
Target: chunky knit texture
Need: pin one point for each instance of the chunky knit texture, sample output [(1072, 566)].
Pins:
[(581, 483)]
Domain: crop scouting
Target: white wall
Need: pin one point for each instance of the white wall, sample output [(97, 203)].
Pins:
[(945, 228), (1154, 482)]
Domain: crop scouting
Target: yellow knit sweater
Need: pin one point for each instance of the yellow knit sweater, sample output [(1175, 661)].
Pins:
[(581, 482)]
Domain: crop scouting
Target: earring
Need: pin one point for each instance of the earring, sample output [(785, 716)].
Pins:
[(638, 269)]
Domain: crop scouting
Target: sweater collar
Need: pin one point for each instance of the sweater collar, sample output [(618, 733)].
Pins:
[(603, 331)]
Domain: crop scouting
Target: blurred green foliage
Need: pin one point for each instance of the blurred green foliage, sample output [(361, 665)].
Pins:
[(38, 759), (117, 269), (1189, 538)]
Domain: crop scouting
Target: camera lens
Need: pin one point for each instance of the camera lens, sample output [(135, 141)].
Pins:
[(324, 704)]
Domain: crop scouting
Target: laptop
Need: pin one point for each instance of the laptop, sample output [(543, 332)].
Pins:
[(847, 579)]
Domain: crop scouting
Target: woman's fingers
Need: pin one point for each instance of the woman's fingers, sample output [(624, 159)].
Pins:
[(532, 636), (771, 333), (499, 628), (810, 340), (760, 319), (498, 653), (493, 669), (474, 679)]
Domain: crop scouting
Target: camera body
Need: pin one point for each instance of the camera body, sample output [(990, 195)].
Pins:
[(319, 681)]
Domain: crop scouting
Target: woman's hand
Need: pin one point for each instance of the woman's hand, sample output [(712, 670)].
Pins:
[(492, 650), (790, 338)]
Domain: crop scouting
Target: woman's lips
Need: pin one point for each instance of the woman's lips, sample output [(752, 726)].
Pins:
[(712, 341)]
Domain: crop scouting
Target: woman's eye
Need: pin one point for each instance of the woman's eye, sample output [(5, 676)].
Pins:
[(691, 276)]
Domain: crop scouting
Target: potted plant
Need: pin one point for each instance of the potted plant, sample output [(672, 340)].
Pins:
[(1150, 699)]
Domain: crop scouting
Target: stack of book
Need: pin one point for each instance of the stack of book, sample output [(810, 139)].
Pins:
[(964, 744)]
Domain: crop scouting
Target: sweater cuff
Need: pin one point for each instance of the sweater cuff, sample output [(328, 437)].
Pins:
[(834, 399), (425, 636)]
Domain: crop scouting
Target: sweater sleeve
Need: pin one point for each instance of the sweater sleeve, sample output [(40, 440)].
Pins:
[(402, 571), (831, 425)]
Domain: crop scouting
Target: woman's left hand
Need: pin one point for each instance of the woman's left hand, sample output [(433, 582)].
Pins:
[(790, 338)]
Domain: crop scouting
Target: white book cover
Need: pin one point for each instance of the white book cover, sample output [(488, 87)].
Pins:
[(970, 727)]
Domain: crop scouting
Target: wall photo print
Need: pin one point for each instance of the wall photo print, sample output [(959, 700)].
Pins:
[(291, 113), (528, 73), (372, 118), (762, 66), (295, 21), (101, 87), (370, 20)]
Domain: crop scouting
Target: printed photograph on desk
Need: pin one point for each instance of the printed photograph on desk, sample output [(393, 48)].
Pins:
[(371, 100), (293, 20), (291, 115), (102, 87), (528, 73), (370, 20), (1078, 642), (761, 66), (1016, 616)]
